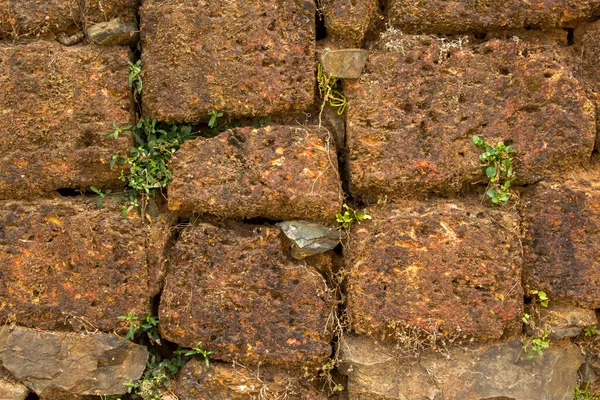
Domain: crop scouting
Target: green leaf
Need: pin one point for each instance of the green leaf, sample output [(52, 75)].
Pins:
[(476, 139), (490, 172)]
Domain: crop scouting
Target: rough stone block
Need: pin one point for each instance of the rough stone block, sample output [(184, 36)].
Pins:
[(459, 16), (56, 105), (587, 54), (484, 372), (95, 364), (276, 172), (413, 112), (240, 57), (237, 382), (562, 239), (448, 266), (234, 289), (66, 264), (347, 21)]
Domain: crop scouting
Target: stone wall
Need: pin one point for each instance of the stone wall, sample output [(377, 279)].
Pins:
[(439, 295)]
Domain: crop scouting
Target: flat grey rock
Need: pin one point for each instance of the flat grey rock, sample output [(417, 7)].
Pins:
[(309, 238), (114, 33)]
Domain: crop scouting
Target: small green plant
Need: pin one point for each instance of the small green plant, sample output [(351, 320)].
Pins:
[(140, 329), (328, 91), (325, 373), (497, 166), (135, 79), (196, 352), (585, 394), (536, 345), (349, 216), (592, 331)]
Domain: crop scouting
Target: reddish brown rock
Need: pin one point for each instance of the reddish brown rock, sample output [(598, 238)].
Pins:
[(54, 118), (562, 239), (412, 114), (68, 264), (276, 172), (457, 16), (237, 382), (347, 21), (233, 289), (451, 266), (240, 57)]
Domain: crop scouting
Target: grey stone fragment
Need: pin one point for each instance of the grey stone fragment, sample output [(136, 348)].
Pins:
[(95, 364), (564, 320), (309, 238), (345, 64), (114, 33), (69, 39)]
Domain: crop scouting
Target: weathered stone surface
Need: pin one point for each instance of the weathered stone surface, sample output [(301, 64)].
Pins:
[(45, 18), (54, 118), (12, 390), (95, 364), (308, 238), (562, 239), (412, 114), (451, 266), (68, 263), (347, 21), (344, 64), (277, 172), (114, 33), (484, 372), (239, 57), (459, 16), (233, 288), (237, 382), (562, 320)]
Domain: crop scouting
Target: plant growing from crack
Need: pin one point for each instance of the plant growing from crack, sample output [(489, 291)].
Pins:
[(537, 344), (328, 90), (497, 166), (350, 216)]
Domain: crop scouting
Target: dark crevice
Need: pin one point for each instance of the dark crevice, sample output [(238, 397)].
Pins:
[(320, 29), (32, 396), (570, 36), (70, 192), (260, 221)]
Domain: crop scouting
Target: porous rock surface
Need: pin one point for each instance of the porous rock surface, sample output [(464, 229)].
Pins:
[(458, 16), (452, 266), (347, 21), (412, 114), (64, 263), (276, 172), (232, 288), (237, 382), (95, 364), (243, 58), (54, 117), (481, 372), (561, 222)]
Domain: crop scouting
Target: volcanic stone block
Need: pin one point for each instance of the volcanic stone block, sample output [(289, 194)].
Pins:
[(237, 382), (233, 289), (95, 364), (562, 240), (347, 21), (276, 172), (459, 16), (67, 262), (413, 112), (483, 372), (56, 105), (244, 58), (448, 266)]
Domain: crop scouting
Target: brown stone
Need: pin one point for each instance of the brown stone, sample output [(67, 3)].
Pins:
[(412, 114), (114, 33), (483, 372), (562, 320), (232, 289), (343, 64), (237, 382), (347, 21), (54, 118), (439, 265), (459, 16), (562, 241), (240, 57), (68, 264), (276, 172)]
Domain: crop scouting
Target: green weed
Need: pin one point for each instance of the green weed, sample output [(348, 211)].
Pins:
[(497, 166), (329, 92), (350, 216)]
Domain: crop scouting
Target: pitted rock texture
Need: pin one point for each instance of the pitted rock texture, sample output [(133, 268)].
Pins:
[(54, 117), (68, 264), (50, 17), (237, 382), (482, 372), (412, 114), (233, 288), (243, 58), (347, 21), (95, 364), (561, 223), (276, 172), (459, 16), (446, 265)]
